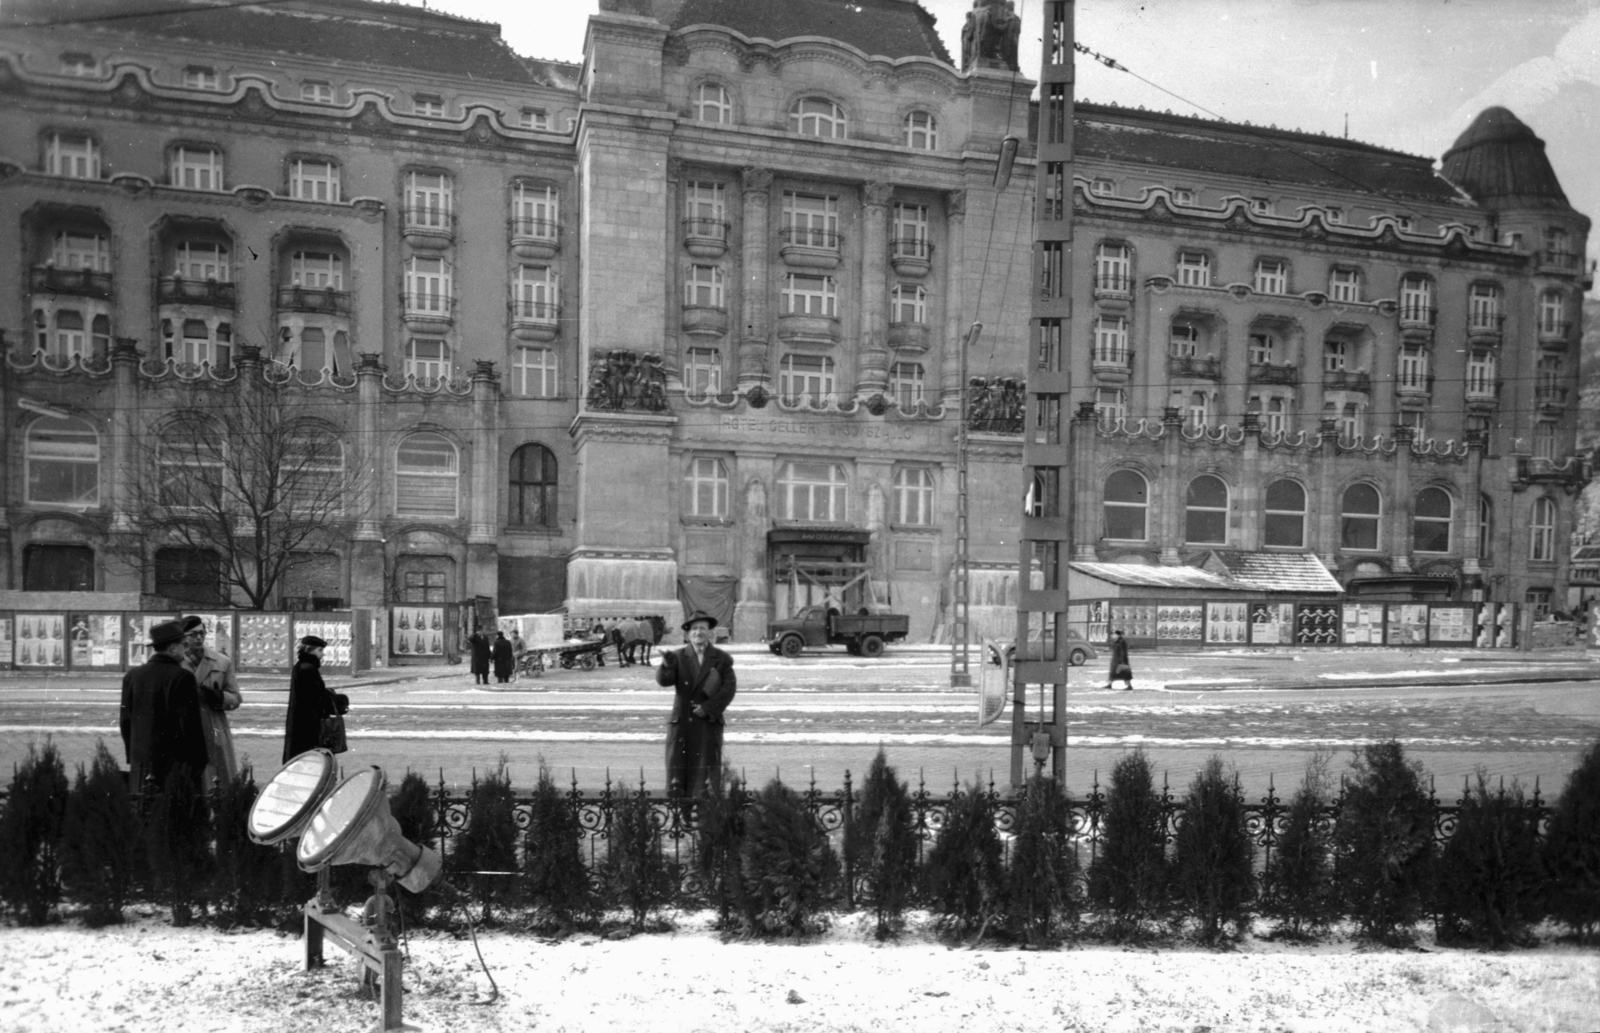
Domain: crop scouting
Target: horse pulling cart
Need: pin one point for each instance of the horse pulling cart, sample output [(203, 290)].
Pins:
[(548, 644)]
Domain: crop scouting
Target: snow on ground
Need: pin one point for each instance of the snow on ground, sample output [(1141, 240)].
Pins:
[(147, 976)]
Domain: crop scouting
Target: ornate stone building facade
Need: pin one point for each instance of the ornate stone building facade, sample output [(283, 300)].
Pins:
[(684, 321)]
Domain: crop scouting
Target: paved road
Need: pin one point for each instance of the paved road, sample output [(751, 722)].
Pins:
[(1265, 713)]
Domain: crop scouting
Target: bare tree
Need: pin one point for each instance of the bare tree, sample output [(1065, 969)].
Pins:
[(251, 474)]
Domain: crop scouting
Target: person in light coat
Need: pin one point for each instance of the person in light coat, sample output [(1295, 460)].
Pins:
[(219, 694)]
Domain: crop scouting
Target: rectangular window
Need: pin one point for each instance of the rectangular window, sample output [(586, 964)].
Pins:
[(805, 378), (908, 303), (1055, 190), (1194, 269), (1055, 113), (1048, 357), (314, 181), (1184, 196), (810, 296), (535, 294), (1557, 247), (1414, 367), (1113, 267), (427, 286), (427, 105), (708, 488), (1344, 285), (534, 373), (702, 373), (201, 261), (533, 118), (1416, 301), (1263, 349), (427, 359), (1184, 342), (906, 384), (1111, 340), (1272, 277), (428, 200), (1417, 421), (1483, 307), (1335, 356), (913, 497), (811, 220), (315, 92), (1047, 420), (705, 210), (911, 230), (535, 210), (196, 168), (79, 64), (1111, 405), (74, 250), (1552, 310), (1052, 270), (1481, 373), (196, 77), (318, 269), (73, 155), (702, 287)]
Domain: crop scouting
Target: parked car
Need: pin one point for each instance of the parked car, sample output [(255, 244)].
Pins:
[(1080, 650)]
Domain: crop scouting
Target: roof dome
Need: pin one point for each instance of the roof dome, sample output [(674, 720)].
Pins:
[(1499, 159)]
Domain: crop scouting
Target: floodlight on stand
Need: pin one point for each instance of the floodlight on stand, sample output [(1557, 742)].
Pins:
[(286, 803), (354, 826)]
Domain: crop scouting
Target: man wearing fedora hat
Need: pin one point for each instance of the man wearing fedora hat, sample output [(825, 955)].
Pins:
[(701, 677), (160, 714)]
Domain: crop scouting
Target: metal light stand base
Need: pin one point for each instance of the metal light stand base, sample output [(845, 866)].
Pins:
[(372, 945)]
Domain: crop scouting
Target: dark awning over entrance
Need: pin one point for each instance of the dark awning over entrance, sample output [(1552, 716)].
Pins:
[(840, 535)]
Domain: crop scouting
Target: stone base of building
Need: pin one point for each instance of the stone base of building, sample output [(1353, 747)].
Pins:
[(750, 621)]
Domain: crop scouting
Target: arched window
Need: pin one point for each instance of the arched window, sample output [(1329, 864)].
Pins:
[(913, 496), (706, 485), (1286, 515), (1127, 499), (922, 131), (817, 116), (1206, 512), (532, 501), (63, 460), (712, 104), (1430, 521), (426, 476), (57, 568), (1485, 526), (1542, 532), (815, 492), (1362, 510), (191, 462)]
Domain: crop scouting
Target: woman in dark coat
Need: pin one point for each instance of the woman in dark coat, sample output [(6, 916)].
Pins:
[(505, 660), (480, 657), (309, 700)]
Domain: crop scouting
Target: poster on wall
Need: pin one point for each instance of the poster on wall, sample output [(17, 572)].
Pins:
[(1450, 624), (335, 633), (1178, 623), (5, 640), (138, 627), (1363, 624), (41, 640), (1316, 624), (219, 633), (1271, 624), (264, 640), (1408, 624), (95, 639), (1226, 623), (1136, 620), (418, 631)]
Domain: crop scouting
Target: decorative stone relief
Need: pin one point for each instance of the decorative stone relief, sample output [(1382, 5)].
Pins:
[(996, 405), (627, 381), (756, 181)]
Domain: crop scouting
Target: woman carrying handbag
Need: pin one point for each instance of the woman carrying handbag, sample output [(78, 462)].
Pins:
[(316, 715)]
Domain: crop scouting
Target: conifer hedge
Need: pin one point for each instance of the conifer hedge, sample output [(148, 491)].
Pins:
[(1384, 843), (1572, 849), (1128, 879), (97, 868), (1213, 869), (881, 847), (30, 835)]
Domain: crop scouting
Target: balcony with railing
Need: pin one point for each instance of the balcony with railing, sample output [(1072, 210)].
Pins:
[(809, 248), (1418, 317), (1347, 380), (908, 337), (1554, 334), (428, 227), (1273, 373), (175, 290), (538, 239), (705, 320), (1112, 363), (314, 299), (1115, 285), (427, 312), (1483, 395), (911, 256), (535, 320), (1485, 327), (1413, 387), (1558, 261), (1194, 367), (705, 237), (80, 283), (1551, 398), (1569, 472)]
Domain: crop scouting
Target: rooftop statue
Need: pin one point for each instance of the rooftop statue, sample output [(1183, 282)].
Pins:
[(989, 39)]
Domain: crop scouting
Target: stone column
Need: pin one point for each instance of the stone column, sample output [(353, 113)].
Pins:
[(955, 213), (1471, 529), (125, 358), (1400, 514), (1085, 499), (368, 585), (1326, 505), (1249, 500), (755, 334), (1173, 489), (753, 611), (872, 357), (483, 560)]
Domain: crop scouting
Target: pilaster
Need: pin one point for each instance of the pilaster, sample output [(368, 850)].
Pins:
[(1471, 528), (1248, 505), (955, 213), (872, 358), (755, 323), (1086, 492), (753, 610), (125, 356), (1400, 517), (1327, 506), (1172, 487)]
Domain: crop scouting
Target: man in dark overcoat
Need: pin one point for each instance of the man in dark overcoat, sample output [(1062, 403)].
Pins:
[(479, 643), (309, 700), (1121, 669), (505, 661), (160, 714), (701, 677)]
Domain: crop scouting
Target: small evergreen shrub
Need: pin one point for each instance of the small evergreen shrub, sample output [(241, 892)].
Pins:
[(245, 891), (1489, 877), (489, 842), (411, 804), (1044, 895), (1128, 878), (1213, 875), (965, 870), (785, 865), (178, 840), (719, 838), (635, 873), (555, 880), (98, 869), (1299, 878), (30, 835), (1383, 843), (881, 847), (1572, 849)]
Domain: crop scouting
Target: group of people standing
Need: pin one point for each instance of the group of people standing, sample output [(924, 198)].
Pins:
[(502, 652), (175, 706)]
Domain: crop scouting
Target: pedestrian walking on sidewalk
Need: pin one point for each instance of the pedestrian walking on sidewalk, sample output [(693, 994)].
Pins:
[(310, 700), (219, 693), (1121, 669), (701, 677)]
